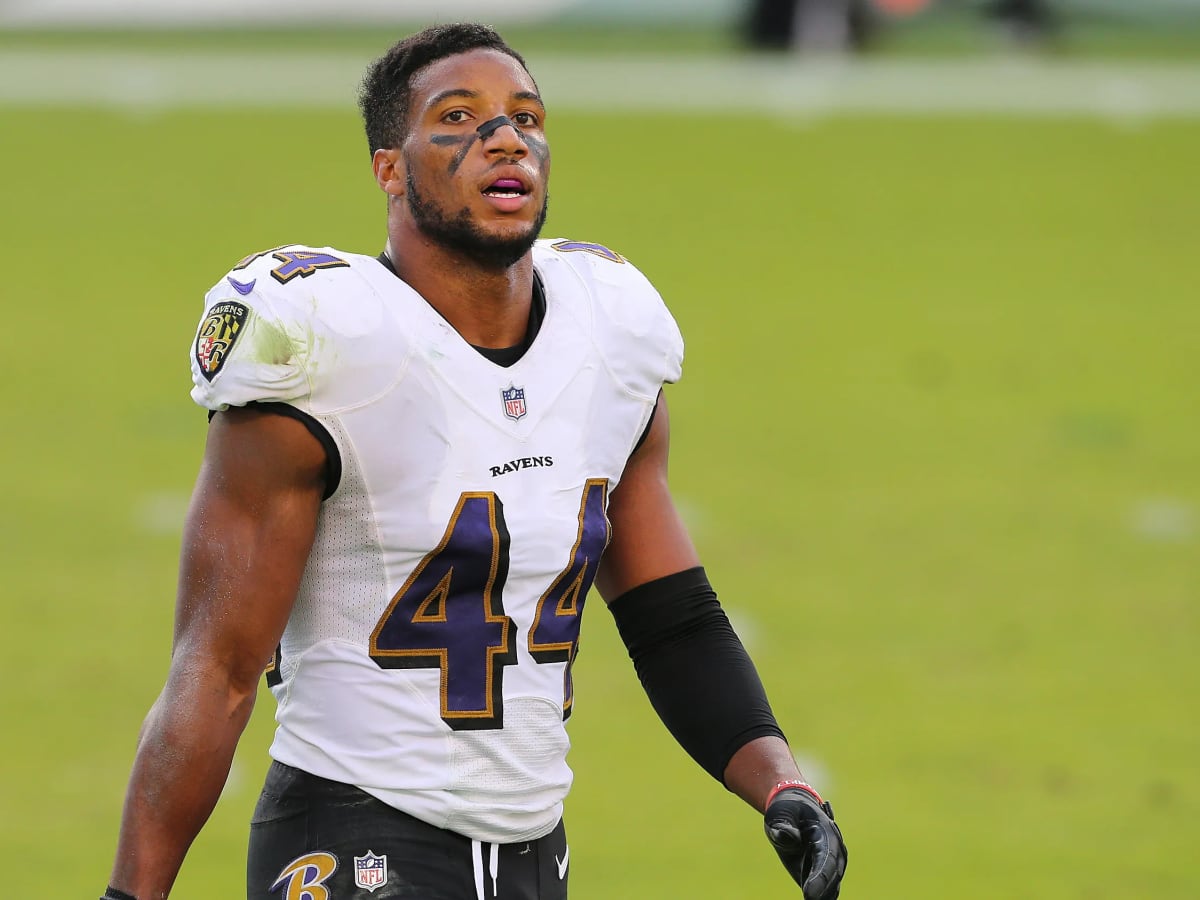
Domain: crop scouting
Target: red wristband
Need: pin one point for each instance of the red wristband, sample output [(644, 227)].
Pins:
[(798, 785)]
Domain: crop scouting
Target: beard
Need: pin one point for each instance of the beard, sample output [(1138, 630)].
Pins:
[(462, 234)]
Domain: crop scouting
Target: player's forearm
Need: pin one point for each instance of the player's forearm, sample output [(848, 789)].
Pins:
[(757, 767), (183, 759)]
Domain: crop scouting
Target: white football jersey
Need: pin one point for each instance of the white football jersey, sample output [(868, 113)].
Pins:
[(427, 658)]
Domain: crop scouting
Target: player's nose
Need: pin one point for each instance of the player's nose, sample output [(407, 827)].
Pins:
[(506, 139)]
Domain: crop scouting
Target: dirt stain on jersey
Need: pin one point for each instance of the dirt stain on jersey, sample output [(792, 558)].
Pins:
[(269, 343)]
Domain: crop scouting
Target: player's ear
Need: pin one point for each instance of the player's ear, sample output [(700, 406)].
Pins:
[(388, 165)]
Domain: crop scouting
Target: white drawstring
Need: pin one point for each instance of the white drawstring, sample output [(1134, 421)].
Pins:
[(477, 868), (493, 868)]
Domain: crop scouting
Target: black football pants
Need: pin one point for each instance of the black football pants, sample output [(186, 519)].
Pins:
[(314, 839)]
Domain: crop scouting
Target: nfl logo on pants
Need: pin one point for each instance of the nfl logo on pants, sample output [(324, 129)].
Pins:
[(370, 871)]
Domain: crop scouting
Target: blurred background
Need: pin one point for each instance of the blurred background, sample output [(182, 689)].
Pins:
[(937, 438)]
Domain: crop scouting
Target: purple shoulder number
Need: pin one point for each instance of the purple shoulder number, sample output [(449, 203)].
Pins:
[(585, 247), (294, 262)]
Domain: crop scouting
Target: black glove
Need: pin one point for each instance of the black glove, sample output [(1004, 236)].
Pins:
[(800, 827)]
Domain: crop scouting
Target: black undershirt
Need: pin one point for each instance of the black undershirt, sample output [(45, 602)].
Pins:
[(506, 356)]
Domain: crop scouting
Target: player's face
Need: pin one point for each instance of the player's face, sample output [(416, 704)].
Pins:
[(483, 193)]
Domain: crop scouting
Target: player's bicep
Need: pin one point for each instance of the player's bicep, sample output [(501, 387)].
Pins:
[(649, 539), (249, 530)]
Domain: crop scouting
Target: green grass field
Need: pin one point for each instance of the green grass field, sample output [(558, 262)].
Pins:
[(937, 437)]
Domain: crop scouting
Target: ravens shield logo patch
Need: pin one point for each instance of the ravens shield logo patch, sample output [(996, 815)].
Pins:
[(217, 335)]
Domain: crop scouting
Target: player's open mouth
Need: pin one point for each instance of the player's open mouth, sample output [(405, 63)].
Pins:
[(505, 188)]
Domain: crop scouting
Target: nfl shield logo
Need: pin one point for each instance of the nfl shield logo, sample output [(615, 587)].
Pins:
[(514, 402), (370, 871)]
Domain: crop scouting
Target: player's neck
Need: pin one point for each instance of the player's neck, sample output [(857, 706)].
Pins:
[(488, 306)]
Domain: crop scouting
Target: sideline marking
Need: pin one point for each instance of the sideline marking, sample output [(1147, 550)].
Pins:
[(785, 88)]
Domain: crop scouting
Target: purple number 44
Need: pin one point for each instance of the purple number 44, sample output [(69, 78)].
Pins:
[(449, 614)]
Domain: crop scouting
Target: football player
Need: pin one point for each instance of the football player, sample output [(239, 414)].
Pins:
[(417, 466)]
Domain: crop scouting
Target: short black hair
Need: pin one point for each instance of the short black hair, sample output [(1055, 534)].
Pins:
[(387, 86)]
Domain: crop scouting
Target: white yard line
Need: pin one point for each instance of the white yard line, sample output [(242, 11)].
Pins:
[(784, 87)]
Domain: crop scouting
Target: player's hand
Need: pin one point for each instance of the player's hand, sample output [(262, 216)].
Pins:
[(801, 829)]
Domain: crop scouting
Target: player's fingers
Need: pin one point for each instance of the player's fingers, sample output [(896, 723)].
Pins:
[(824, 891), (783, 833), (825, 874)]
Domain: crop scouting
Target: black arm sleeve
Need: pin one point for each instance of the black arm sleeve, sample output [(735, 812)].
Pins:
[(694, 668)]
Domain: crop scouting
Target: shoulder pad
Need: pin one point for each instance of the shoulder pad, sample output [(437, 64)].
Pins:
[(637, 333), (277, 323)]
